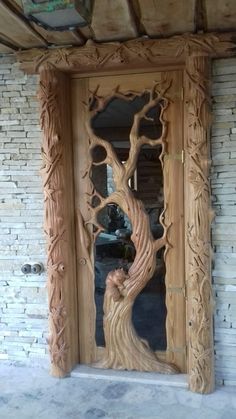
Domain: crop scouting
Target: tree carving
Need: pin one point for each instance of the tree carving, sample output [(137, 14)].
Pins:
[(124, 349), (121, 287)]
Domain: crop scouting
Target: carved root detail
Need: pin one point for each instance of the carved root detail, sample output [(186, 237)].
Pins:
[(124, 349)]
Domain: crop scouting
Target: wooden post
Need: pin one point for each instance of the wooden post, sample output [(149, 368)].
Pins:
[(174, 218), (59, 220), (198, 217)]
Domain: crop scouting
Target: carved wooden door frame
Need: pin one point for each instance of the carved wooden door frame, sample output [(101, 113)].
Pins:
[(193, 53)]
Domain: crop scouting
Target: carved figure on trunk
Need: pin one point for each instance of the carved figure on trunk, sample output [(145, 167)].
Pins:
[(115, 283)]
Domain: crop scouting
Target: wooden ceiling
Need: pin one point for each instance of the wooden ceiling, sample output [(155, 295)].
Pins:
[(118, 20)]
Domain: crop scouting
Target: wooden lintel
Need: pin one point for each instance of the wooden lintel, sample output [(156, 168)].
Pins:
[(137, 54)]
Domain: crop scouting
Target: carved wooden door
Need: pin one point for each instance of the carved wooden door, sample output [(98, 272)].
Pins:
[(104, 142)]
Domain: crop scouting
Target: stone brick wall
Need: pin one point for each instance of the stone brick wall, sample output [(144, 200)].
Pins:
[(223, 182), (23, 305)]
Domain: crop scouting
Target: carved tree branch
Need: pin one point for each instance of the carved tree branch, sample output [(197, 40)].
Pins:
[(137, 141)]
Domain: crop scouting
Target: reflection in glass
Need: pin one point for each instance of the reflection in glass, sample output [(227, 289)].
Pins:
[(149, 311), (113, 249)]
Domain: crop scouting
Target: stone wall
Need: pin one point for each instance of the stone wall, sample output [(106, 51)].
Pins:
[(23, 306), (223, 181)]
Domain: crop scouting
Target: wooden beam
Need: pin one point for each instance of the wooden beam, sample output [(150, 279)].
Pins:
[(136, 54), (85, 33), (135, 10), (165, 18), (17, 29), (59, 220), (4, 49), (59, 37), (200, 16), (16, 4), (113, 20), (221, 15), (7, 46), (174, 218), (197, 226)]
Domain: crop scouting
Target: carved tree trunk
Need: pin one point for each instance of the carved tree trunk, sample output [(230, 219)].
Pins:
[(59, 221), (198, 218), (124, 349)]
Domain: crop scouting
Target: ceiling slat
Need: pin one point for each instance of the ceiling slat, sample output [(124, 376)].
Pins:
[(113, 20), (5, 49), (59, 37), (85, 32), (200, 16), (8, 43), (16, 3), (164, 18), (17, 30), (221, 14), (118, 20)]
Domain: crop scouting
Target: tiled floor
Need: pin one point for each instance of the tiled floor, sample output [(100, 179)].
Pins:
[(28, 393)]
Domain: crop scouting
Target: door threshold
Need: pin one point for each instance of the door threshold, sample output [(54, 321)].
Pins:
[(175, 380)]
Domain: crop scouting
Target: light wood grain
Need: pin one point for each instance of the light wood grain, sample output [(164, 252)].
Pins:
[(221, 15), (126, 83), (84, 239), (164, 18), (113, 20), (17, 30), (174, 215), (5, 49), (59, 37)]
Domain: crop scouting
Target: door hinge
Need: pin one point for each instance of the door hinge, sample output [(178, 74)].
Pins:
[(185, 292), (186, 351), (182, 93)]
